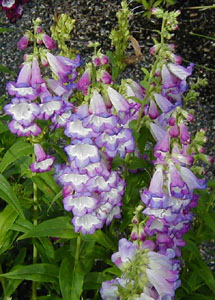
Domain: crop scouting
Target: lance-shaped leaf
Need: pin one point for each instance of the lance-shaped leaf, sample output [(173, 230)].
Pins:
[(57, 227), (35, 272), (7, 218), (16, 151), (8, 195)]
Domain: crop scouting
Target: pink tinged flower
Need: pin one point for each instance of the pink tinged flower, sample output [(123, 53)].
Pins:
[(83, 154), (154, 225), (105, 77), (153, 111), (125, 254), (118, 101), (109, 290), (57, 87), (191, 180), (76, 180), (162, 146), (80, 204), (165, 214), (23, 43), (84, 82), (157, 131), (179, 71), (174, 131), (160, 274), (164, 104), (156, 184), (25, 74), (97, 105), (49, 108), (36, 77), (104, 59), (22, 112), (87, 224), (20, 130), (43, 161), (61, 67), (48, 41), (177, 187), (184, 134), (96, 61)]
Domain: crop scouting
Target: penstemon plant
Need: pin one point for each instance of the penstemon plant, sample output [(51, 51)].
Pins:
[(100, 170)]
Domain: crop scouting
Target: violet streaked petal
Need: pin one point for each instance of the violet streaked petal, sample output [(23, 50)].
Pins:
[(179, 71), (75, 129), (25, 74), (39, 152), (97, 105), (57, 87), (48, 109), (77, 181), (44, 165), (118, 101), (87, 224), (17, 128), (83, 154), (80, 204), (164, 104), (36, 74), (23, 112)]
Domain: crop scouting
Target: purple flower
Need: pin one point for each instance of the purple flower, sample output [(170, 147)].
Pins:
[(87, 224), (16, 128), (125, 254), (43, 161), (84, 82), (23, 42), (48, 41), (22, 112), (117, 100)]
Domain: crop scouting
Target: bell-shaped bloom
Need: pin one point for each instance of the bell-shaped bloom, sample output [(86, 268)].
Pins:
[(22, 111), (119, 102), (83, 153), (87, 224), (164, 104), (48, 41), (16, 128), (23, 88), (43, 161), (191, 180), (23, 42), (125, 254), (36, 78), (153, 111), (62, 67), (179, 71), (97, 105), (105, 77), (84, 82)]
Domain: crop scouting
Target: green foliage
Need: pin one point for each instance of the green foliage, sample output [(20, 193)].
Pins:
[(119, 39), (149, 4)]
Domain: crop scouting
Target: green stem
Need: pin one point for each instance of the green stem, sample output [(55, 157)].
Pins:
[(154, 67), (2, 280), (78, 247), (35, 222)]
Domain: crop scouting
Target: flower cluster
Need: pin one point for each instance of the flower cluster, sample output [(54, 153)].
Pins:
[(92, 191), (37, 98), (146, 274), (13, 8)]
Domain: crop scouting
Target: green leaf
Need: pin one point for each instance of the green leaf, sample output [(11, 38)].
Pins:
[(3, 127), (7, 194), (47, 177), (35, 272), (77, 281), (58, 227), (4, 29), (7, 218), (6, 70), (209, 221), (101, 238), (93, 280), (17, 150), (22, 225), (65, 277), (42, 185)]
